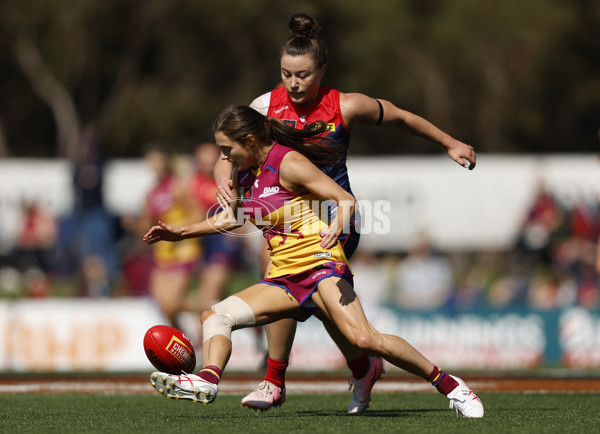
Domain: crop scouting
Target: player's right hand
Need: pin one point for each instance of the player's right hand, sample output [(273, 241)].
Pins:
[(163, 232)]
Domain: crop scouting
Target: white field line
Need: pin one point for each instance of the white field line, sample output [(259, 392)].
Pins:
[(225, 388)]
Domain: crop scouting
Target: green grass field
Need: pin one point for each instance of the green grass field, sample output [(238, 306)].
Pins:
[(406, 412)]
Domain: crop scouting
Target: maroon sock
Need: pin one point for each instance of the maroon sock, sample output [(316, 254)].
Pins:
[(360, 366), (276, 372), (210, 373), (443, 382)]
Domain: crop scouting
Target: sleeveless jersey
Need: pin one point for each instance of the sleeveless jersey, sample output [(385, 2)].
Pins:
[(204, 190), (287, 220), (326, 107), (165, 206)]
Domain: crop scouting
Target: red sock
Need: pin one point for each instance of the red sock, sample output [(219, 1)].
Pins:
[(210, 373), (360, 366), (276, 372), (443, 382)]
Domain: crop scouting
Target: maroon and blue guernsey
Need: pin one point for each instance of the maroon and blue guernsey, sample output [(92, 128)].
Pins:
[(290, 222)]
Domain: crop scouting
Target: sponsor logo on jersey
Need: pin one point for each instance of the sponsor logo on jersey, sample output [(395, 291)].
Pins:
[(323, 255), (269, 191), (285, 107)]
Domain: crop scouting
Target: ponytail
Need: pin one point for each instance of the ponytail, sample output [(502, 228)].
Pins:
[(310, 142), (239, 121)]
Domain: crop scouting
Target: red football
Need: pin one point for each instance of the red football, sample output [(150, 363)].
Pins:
[(169, 350)]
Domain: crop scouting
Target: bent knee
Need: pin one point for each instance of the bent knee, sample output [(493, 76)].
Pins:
[(363, 339), (207, 313)]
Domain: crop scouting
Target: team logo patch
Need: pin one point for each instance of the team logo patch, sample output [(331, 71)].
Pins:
[(323, 255), (330, 127), (289, 123), (246, 193)]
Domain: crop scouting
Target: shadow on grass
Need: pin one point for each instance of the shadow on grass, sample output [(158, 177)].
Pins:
[(372, 413)]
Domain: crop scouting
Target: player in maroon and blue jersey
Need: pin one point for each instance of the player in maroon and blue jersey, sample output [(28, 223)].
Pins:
[(299, 101), (276, 185)]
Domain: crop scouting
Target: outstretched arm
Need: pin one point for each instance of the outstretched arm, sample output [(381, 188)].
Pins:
[(222, 222), (359, 108)]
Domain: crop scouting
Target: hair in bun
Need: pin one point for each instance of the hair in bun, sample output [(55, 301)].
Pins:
[(304, 26), (304, 39)]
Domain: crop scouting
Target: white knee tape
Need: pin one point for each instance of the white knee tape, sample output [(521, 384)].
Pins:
[(230, 314)]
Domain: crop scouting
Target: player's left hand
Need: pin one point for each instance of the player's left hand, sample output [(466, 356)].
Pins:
[(329, 237), (462, 153), (163, 232)]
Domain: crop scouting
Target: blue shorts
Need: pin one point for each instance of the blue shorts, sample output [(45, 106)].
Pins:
[(221, 249)]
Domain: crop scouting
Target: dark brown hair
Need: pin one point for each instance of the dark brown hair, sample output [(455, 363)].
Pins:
[(304, 39), (238, 121)]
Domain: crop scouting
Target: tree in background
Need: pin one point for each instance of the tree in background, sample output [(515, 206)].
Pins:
[(503, 76)]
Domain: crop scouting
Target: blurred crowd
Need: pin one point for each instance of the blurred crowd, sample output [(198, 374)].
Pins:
[(554, 262), (90, 252)]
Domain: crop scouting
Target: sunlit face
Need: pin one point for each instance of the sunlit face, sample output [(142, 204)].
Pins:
[(241, 156), (301, 77)]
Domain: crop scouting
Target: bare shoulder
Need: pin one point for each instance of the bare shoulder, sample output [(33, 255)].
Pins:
[(295, 168), (358, 107), (352, 101), (293, 161)]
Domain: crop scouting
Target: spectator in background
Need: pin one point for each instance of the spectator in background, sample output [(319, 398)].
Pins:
[(220, 253), (574, 257), (173, 263), (37, 238), (93, 228), (33, 254), (557, 247), (597, 264), (424, 279)]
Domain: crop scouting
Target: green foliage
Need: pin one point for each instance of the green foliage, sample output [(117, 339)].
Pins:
[(504, 76)]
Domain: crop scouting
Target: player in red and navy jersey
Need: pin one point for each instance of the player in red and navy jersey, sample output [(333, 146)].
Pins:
[(301, 100), (276, 186)]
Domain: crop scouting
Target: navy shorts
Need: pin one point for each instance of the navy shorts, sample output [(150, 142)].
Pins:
[(223, 249)]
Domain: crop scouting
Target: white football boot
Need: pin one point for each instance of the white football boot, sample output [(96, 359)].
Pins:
[(464, 400), (188, 386)]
